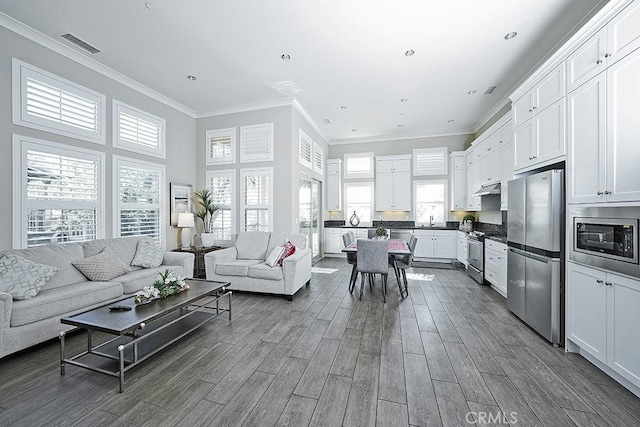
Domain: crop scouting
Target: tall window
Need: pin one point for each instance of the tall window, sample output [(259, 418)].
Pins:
[(222, 185), (58, 193), (138, 198), (358, 197), (430, 200), (139, 131), (257, 199), (44, 101), (358, 165)]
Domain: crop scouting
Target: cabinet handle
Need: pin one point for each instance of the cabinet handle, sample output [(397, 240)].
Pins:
[(599, 281), (607, 55), (530, 158), (607, 192), (530, 110), (599, 61), (534, 107), (608, 283), (489, 149), (599, 193), (535, 157)]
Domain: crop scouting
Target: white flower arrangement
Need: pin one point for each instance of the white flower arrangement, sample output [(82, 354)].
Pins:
[(167, 284)]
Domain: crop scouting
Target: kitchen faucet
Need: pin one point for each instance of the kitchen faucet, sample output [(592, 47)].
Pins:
[(431, 221)]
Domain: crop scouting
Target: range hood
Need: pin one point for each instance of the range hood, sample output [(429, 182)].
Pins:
[(488, 190)]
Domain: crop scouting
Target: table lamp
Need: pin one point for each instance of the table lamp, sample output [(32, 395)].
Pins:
[(185, 222)]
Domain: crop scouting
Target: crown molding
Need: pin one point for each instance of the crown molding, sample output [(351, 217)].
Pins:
[(298, 106), (385, 138), (263, 105), (70, 53), (492, 112)]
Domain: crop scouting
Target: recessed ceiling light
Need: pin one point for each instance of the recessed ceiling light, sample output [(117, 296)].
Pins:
[(471, 92), (404, 100), (192, 78), (285, 57), (354, 130), (410, 52), (343, 107), (402, 114), (510, 35), (148, 5), (400, 126), (450, 121)]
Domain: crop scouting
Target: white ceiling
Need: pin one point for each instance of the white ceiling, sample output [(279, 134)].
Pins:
[(343, 52)]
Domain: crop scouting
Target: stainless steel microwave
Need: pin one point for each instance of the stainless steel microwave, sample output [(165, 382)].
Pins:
[(606, 237)]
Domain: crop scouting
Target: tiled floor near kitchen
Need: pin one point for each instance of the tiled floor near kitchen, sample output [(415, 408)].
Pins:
[(448, 353)]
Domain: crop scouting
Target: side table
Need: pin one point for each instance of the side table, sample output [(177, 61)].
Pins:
[(198, 265)]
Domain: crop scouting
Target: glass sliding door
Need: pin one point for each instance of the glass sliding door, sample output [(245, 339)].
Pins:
[(309, 213)]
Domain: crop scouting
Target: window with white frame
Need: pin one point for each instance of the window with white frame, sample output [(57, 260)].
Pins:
[(57, 193), (222, 185), (318, 158), (138, 198), (305, 149), (430, 201), (256, 143), (221, 146), (430, 161), (256, 211), (358, 198), (358, 165), (139, 131), (47, 102)]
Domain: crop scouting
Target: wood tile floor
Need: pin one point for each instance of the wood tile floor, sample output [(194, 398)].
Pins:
[(326, 359)]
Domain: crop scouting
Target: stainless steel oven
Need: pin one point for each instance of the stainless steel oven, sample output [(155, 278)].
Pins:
[(475, 257), (606, 237)]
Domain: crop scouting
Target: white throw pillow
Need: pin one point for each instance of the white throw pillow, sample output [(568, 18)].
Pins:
[(21, 278), (274, 256), (102, 267), (148, 255)]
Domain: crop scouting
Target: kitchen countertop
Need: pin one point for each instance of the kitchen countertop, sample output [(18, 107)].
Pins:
[(393, 227)]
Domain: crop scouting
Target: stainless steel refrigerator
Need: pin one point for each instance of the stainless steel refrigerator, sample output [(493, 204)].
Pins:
[(535, 261)]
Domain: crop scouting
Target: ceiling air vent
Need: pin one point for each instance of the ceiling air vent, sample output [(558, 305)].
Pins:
[(490, 90), (80, 43)]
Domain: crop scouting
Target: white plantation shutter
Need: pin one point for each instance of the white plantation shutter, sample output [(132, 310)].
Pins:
[(222, 187), (60, 192), (305, 147), (430, 161), (358, 165), (47, 102), (318, 158), (256, 143), (138, 131), (221, 146), (257, 199), (138, 205)]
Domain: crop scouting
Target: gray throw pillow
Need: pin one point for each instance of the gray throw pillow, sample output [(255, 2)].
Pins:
[(22, 278), (102, 267), (148, 255)]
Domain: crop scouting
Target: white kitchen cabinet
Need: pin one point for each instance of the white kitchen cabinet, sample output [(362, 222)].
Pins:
[(491, 167), (602, 318), (546, 92), (623, 33), (435, 244), (393, 183), (457, 180), (333, 240), (358, 233), (587, 61), (495, 262), (507, 175), (602, 136), (334, 185), (461, 249), (468, 161), (540, 140), (586, 312)]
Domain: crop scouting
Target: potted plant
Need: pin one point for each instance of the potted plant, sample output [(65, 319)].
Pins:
[(204, 200), (381, 233)]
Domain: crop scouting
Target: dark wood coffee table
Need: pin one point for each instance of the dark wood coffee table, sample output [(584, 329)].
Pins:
[(145, 329)]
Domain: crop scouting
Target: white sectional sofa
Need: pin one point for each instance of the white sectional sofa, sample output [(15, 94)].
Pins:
[(244, 267), (27, 322)]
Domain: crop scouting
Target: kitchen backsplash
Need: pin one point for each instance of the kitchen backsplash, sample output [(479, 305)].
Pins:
[(494, 229)]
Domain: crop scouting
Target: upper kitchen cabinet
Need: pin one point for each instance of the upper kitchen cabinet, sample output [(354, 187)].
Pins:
[(334, 185), (549, 90), (506, 154), (393, 183), (540, 141), (458, 181), (602, 136), (613, 42)]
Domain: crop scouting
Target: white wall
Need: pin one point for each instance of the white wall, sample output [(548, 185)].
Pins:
[(180, 127)]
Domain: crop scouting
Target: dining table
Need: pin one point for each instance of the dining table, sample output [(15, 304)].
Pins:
[(396, 247)]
